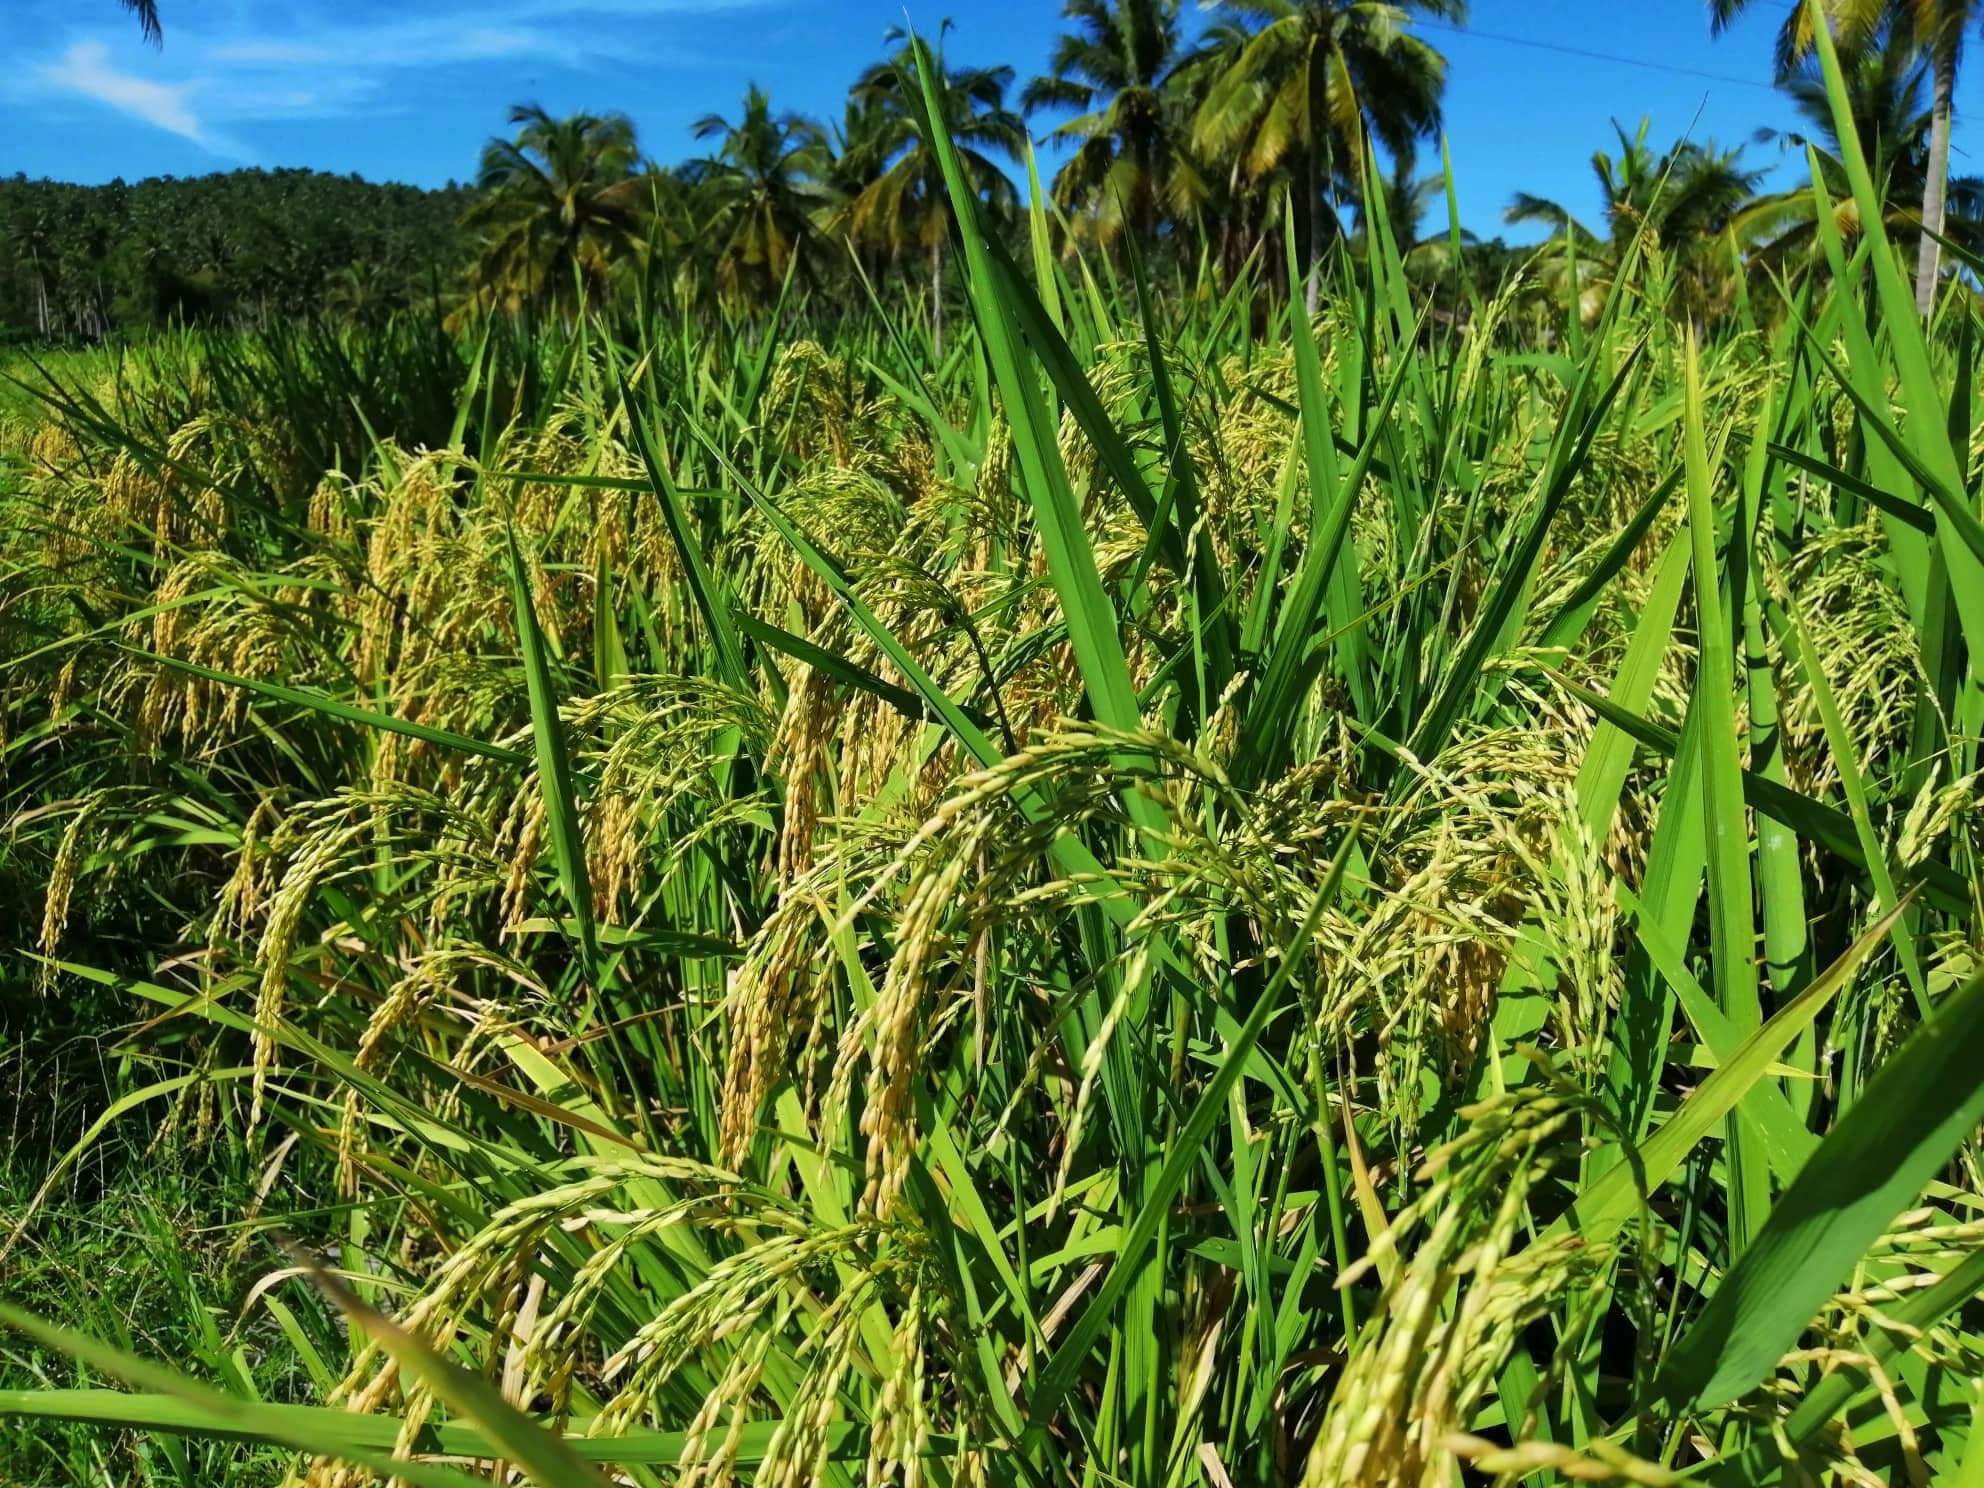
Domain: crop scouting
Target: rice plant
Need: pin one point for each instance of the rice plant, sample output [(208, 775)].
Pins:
[(1175, 893)]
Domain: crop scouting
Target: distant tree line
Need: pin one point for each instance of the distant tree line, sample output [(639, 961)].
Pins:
[(1192, 145), (238, 248), (1199, 146), (1195, 144)]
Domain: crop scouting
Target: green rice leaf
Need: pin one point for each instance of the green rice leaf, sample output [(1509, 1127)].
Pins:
[(1926, 1099), (554, 770)]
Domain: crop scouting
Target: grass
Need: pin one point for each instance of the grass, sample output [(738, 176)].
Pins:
[(131, 1250), (1174, 895)]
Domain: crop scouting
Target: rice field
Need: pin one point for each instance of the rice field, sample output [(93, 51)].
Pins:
[(1171, 893)]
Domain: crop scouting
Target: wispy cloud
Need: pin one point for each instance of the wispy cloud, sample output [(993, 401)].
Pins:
[(335, 58), (437, 41), (86, 69)]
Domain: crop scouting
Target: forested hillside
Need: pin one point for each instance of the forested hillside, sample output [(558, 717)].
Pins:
[(233, 248)]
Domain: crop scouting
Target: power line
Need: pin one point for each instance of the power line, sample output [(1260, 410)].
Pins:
[(1570, 51)]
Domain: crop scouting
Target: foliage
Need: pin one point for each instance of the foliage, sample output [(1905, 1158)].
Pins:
[(243, 248), (1292, 100), (1182, 893), (1937, 30), (561, 202), (906, 208), (762, 193), (1680, 202), (1132, 167), (1886, 80), (146, 13)]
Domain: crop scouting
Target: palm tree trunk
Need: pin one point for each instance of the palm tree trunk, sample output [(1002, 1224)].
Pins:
[(1935, 190), (937, 297)]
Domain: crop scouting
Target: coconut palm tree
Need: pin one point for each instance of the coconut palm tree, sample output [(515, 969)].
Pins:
[(1684, 198), (1238, 210), (861, 144), (147, 13), (1885, 85), (857, 155), (1938, 28), (906, 207), (1885, 81), (1131, 166), (1687, 191), (1305, 81), (562, 202), (763, 192)]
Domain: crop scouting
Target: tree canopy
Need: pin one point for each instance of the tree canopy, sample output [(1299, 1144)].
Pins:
[(1190, 138), (232, 248)]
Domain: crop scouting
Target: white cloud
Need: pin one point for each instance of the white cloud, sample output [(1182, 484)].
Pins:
[(411, 44), (560, 32), (336, 58), (86, 69)]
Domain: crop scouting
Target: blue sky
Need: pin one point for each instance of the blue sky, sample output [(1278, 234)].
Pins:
[(409, 89)]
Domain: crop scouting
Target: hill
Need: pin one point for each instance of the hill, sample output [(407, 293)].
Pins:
[(237, 247)]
